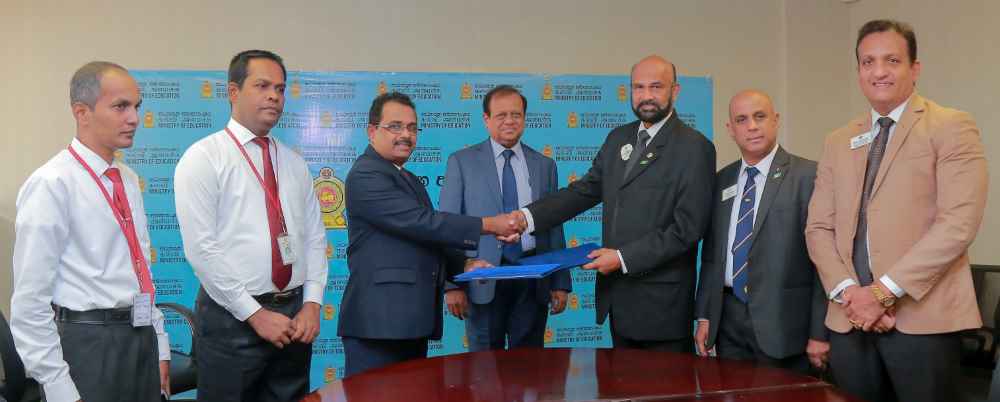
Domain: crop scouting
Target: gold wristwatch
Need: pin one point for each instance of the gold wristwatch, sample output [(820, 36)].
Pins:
[(885, 300)]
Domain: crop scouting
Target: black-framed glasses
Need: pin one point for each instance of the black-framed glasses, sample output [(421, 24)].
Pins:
[(397, 128)]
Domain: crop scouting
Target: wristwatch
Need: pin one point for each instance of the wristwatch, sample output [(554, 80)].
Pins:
[(883, 299)]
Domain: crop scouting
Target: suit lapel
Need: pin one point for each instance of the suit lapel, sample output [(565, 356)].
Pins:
[(772, 183), (860, 155), (729, 177), (652, 151), (488, 166), (411, 181), (911, 115), (534, 162)]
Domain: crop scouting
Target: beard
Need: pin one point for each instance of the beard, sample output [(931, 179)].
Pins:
[(655, 115)]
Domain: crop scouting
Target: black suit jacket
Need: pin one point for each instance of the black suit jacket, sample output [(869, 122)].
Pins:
[(654, 217), (787, 301), (399, 251)]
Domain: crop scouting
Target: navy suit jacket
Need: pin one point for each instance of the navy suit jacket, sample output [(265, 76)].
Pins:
[(471, 187), (399, 251)]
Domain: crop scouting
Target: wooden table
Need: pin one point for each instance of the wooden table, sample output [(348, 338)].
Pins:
[(578, 374)]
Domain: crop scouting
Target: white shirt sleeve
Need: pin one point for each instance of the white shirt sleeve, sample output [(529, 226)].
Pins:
[(892, 286), (836, 292)]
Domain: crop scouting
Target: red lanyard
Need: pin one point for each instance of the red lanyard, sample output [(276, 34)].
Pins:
[(123, 221), (275, 203)]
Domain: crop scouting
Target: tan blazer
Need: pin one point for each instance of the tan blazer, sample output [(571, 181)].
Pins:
[(926, 207)]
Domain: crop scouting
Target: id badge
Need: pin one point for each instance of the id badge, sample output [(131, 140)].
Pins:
[(285, 247), (142, 310)]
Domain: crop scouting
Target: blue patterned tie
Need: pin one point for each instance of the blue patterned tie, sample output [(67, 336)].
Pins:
[(508, 187), (741, 242)]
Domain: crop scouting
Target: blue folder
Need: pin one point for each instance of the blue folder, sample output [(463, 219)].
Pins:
[(508, 272), (566, 258)]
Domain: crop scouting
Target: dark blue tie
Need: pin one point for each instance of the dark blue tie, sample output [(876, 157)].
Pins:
[(508, 187), (741, 242)]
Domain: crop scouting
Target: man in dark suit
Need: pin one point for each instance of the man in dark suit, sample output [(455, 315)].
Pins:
[(758, 297), (496, 176), (400, 249), (655, 178)]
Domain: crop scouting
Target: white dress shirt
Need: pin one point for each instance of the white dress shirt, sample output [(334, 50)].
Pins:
[(895, 115), (70, 251), (521, 175), (652, 131), (222, 212), (763, 168)]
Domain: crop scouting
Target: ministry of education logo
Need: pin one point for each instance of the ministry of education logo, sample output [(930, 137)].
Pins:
[(330, 193)]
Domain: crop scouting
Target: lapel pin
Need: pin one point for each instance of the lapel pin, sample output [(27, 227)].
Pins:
[(776, 175)]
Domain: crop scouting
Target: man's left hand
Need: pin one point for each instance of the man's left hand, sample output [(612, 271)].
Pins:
[(862, 307), (306, 323), (818, 352), (165, 377), (605, 260), (558, 301)]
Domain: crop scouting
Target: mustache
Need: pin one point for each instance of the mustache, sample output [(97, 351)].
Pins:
[(649, 102), (403, 141)]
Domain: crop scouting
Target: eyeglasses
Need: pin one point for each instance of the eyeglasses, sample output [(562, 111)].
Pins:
[(397, 128)]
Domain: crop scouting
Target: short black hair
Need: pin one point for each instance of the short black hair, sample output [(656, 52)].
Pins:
[(375, 113), (238, 65), (876, 26), (503, 90)]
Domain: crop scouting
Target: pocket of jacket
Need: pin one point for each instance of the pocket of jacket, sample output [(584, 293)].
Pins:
[(395, 275)]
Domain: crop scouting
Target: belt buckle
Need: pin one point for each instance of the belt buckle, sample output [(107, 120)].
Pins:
[(281, 297)]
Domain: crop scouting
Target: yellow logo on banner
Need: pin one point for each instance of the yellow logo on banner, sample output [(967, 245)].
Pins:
[(550, 335), (465, 341), (329, 250), (152, 255), (119, 154), (328, 312), (142, 185), (147, 119), (466, 91), (382, 88), (330, 192), (571, 178), (547, 90), (206, 89), (622, 93), (571, 121), (296, 89), (329, 374), (573, 242), (574, 301), (326, 119), (547, 150)]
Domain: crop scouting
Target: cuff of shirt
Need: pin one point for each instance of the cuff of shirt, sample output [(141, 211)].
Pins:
[(703, 320), (622, 259), (530, 219), (312, 292), (61, 390), (244, 306), (835, 293), (892, 286), (163, 345)]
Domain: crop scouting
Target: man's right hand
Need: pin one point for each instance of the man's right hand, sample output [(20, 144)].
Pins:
[(273, 327), (504, 225), (701, 338), (457, 303)]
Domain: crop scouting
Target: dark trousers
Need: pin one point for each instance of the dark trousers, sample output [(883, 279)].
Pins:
[(682, 345), (362, 354), (895, 366), (736, 339), (112, 362), (513, 318), (235, 364)]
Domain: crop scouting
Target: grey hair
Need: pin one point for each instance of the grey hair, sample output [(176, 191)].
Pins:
[(85, 87)]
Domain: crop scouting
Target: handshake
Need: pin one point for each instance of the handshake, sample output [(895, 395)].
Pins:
[(506, 227)]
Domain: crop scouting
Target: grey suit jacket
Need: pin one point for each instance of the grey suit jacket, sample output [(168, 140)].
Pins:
[(787, 301), (471, 187)]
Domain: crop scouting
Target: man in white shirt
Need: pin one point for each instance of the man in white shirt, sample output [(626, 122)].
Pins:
[(252, 231), (82, 312)]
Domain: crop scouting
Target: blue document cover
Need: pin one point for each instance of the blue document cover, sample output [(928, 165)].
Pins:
[(508, 272), (566, 258)]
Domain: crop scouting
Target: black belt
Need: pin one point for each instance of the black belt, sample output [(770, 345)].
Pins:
[(727, 290), (121, 315), (279, 298)]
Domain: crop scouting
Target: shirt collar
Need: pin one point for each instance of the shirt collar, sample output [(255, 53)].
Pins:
[(243, 134), (895, 114), (655, 128), (95, 161), (764, 166), (497, 148)]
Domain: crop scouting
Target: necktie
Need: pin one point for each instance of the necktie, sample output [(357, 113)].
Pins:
[(861, 263), (280, 274), (508, 188), (741, 242), (640, 147), (139, 265)]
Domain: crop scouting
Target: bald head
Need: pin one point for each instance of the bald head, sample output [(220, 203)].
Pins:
[(753, 124), (657, 63), (654, 89)]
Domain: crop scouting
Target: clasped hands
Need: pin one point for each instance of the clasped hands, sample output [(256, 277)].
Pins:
[(865, 312), (506, 227)]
